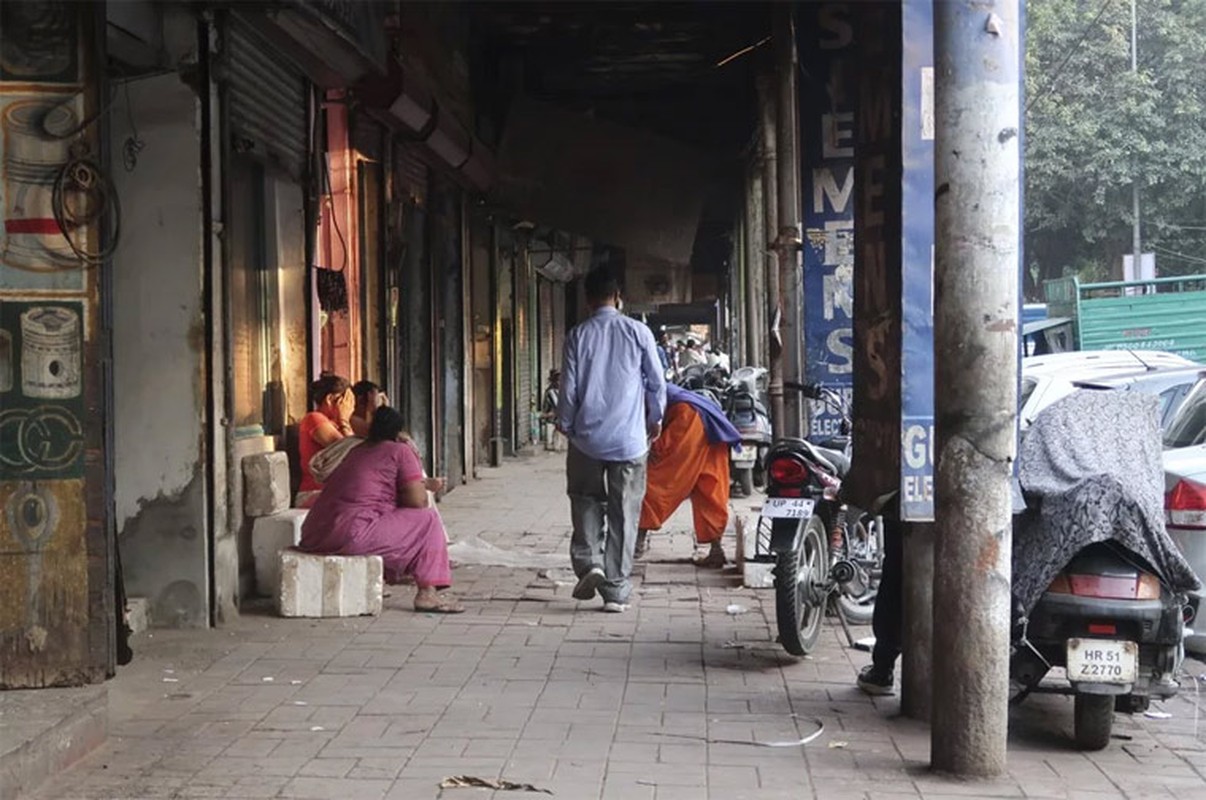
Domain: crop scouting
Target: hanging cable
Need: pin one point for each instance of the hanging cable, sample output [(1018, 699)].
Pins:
[(83, 178)]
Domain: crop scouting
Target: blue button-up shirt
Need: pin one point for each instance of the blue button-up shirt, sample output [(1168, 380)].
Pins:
[(612, 387)]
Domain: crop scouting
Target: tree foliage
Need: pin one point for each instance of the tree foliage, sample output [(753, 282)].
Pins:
[(1093, 127)]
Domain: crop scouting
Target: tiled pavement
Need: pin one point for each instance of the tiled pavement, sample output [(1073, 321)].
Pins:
[(535, 688)]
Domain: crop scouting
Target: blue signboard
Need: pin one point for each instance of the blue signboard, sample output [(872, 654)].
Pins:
[(917, 357), (829, 91)]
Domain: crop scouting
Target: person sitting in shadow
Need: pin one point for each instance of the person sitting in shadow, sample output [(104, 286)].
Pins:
[(376, 503), (368, 399)]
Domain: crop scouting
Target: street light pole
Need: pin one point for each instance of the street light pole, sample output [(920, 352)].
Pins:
[(1136, 240)]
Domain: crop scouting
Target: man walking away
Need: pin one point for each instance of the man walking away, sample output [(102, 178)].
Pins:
[(613, 394)]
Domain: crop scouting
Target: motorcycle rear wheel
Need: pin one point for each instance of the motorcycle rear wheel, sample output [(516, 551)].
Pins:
[(864, 546), (797, 615), (1094, 720)]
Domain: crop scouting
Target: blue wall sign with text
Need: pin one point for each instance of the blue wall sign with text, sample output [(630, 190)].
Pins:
[(917, 357)]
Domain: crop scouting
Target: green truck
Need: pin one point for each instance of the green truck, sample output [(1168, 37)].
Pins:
[(1160, 314)]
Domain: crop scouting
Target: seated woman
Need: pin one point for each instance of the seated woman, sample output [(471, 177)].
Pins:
[(368, 400), (375, 503), (332, 399)]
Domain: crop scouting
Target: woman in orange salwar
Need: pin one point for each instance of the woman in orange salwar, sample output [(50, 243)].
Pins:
[(690, 460)]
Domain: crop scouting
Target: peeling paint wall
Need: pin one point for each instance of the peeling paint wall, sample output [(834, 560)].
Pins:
[(159, 344)]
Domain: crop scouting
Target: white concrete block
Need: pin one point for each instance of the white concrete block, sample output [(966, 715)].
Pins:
[(756, 575), (137, 614), (265, 483), (330, 586), (269, 536)]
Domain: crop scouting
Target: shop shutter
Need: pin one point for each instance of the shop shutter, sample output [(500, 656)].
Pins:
[(268, 98)]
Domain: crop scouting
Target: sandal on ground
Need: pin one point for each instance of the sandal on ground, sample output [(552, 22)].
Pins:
[(713, 560), (445, 604)]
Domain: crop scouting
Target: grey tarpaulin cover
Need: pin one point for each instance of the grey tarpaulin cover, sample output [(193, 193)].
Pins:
[(1090, 471)]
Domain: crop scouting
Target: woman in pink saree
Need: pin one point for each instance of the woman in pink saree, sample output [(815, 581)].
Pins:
[(375, 503)]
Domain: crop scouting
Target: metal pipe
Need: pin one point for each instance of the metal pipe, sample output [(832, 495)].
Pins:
[(977, 171), (770, 265), (787, 244)]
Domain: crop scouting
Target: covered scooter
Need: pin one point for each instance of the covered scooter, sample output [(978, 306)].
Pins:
[(1101, 591)]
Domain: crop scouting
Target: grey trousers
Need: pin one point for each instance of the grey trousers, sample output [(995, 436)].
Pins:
[(605, 506)]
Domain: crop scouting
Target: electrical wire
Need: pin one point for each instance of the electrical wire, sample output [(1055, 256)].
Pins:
[(81, 175), (1071, 52), (1182, 256)]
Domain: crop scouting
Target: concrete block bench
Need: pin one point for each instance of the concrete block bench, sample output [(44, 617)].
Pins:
[(330, 586), (269, 536)]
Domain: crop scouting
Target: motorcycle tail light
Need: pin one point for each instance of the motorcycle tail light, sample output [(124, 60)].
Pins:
[(1105, 587), (787, 471), (1060, 585), (1149, 587), (1103, 628), (1185, 505)]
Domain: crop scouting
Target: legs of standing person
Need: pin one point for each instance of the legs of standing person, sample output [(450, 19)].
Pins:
[(887, 621), (710, 506), (625, 494), (665, 491), (587, 489)]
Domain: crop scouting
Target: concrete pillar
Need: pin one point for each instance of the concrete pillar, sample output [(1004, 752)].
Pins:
[(755, 271), (977, 57), (770, 221), (787, 243)]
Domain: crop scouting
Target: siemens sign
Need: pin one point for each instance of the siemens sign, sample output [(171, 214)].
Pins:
[(827, 49)]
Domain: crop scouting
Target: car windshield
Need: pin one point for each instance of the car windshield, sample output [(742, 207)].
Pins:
[(1189, 426), (1027, 390)]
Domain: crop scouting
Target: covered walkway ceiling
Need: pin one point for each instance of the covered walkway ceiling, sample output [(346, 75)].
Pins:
[(647, 65), (682, 72)]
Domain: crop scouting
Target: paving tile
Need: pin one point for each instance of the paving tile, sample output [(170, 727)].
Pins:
[(535, 687), (306, 788)]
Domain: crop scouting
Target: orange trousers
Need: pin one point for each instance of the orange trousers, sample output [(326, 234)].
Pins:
[(684, 464)]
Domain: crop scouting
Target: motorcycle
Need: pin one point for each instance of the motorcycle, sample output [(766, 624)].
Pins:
[(826, 554), (1102, 596), (746, 409)]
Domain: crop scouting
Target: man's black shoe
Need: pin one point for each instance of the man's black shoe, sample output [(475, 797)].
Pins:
[(876, 681)]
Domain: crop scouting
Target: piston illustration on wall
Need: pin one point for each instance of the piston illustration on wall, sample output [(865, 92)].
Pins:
[(50, 353), (42, 380)]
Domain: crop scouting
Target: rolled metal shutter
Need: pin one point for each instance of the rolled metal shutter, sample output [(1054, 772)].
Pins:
[(268, 98)]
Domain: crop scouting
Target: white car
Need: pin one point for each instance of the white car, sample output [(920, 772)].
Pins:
[(1048, 378), (1185, 492)]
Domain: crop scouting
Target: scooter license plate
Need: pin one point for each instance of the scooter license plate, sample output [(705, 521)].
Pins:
[(1102, 661), (787, 508), (745, 457)]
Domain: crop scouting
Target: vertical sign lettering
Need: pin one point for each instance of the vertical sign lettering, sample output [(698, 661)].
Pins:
[(828, 124)]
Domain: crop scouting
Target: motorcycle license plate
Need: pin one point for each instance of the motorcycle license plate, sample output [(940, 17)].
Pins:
[(745, 457), (787, 508), (1102, 661)]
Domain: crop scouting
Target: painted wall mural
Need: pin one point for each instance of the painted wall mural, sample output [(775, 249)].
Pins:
[(55, 612)]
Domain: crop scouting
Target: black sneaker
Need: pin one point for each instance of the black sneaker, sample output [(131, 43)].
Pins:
[(588, 583), (875, 681)]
